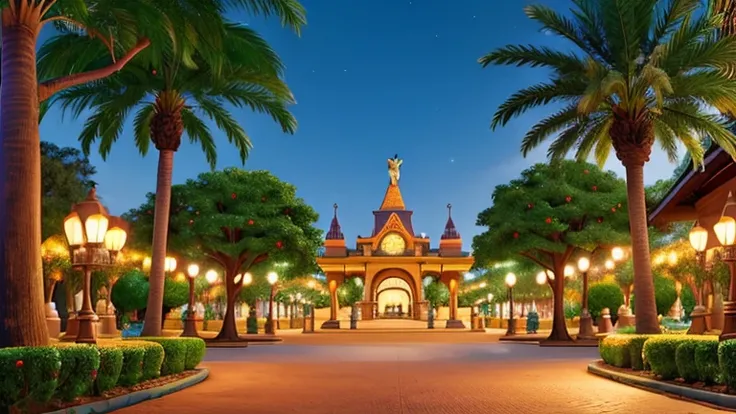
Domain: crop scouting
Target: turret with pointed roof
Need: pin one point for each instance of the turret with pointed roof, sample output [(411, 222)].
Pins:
[(334, 240), (451, 243)]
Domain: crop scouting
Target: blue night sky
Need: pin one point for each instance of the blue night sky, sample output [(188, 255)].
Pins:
[(373, 78)]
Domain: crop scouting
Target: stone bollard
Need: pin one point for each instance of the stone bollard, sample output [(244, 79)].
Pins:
[(699, 324), (604, 324), (53, 322), (430, 319)]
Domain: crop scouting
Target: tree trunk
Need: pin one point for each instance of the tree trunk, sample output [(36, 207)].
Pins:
[(22, 316), (646, 307), (229, 330), (152, 324), (559, 327)]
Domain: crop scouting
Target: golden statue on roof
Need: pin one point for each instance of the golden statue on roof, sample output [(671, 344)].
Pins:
[(394, 172)]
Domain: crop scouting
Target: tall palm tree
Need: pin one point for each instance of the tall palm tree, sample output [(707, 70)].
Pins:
[(171, 100), (643, 71)]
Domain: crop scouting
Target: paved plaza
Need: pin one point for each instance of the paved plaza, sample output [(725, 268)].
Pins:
[(406, 373)]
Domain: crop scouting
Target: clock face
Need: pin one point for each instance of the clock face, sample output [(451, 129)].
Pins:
[(393, 244)]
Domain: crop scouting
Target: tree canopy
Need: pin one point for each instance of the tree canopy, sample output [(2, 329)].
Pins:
[(66, 177), (243, 221), (552, 212)]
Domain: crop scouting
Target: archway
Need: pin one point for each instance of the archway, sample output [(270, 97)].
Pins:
[(394, 298)]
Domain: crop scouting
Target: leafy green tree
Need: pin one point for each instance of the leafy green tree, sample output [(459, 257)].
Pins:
[(642, 72), (437, 294), (183, 97), (350, 292), (624, 276), (547, 215), (130, 292), (604, 295), (66, 177), (243, 221)]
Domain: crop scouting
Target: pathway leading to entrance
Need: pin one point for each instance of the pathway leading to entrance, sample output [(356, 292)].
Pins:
[(387, 373)]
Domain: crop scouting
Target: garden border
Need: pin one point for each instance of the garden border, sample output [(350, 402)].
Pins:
[(127, 400), (699, 396)]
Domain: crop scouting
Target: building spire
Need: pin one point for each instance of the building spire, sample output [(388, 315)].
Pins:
[(335, 232), (450, 232)]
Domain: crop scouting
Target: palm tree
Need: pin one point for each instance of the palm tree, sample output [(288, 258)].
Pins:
[(171, 100), (643, 72)]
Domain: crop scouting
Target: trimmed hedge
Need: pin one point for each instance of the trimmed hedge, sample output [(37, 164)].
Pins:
[(727, 362), (196, 348), (660, 352), (79, 369), (623, 351), (111, 364), (175, 353), (28, 375), (153, 358), (706, 362), (131, 370), (685, 361)]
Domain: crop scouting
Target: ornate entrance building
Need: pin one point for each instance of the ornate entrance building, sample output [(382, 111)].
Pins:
[(393, 262)]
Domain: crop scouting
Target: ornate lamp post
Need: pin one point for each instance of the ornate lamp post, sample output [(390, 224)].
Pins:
[(510, 282), (617, 254), (272, 278), (586, 322), (190, 324), (725, 231), (699, 241), (94, 238)]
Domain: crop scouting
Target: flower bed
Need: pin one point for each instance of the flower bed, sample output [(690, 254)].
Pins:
[(696, 361), (41, 379)]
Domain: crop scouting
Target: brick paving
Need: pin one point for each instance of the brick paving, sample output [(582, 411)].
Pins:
[(394, 373)]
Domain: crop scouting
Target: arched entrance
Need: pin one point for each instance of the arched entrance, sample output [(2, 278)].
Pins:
[(394, 298)]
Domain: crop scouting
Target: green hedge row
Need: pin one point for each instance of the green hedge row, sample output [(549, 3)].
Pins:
[(690, 357), (66, 371)]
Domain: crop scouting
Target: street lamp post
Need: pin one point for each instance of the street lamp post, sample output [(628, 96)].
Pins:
[(725, 231), (272, 278), (190, 324), (510, 282), (94, 238), (586, 322), (699, 242)]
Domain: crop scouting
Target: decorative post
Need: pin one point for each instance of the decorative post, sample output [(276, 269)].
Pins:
[(510, 282), (725, 231), (586, 322), (190, 324)]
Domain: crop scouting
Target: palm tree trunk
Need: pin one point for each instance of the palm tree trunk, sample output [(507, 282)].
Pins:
[(646, 307), (22, 317), (152, 324)]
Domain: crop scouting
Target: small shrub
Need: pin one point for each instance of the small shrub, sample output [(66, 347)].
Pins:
[(665, 293), (79, 369), (706, 362), (727, 362), (614, 350), (175, 354), (685, 361), (111, 364), (532, 322), (153, 358), (28, 375)]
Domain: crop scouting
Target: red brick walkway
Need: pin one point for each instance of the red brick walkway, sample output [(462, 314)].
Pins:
[(376, 375)]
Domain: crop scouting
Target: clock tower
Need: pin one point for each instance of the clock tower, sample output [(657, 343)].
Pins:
[(394, 261)]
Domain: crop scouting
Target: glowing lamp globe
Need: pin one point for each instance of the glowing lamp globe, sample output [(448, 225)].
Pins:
[(699, 238), (550, 274), (510, 280), (115, 239), (725, 231), (583, 264), (569, 271), (73, 230), (610, 264), (95, 228), (541, 278), (146, 263), (272, 278), (193, 270), (247, 278), (298, 296), (490, 297), (617, 254), (211, 276), (169, 264), (237, 278)]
